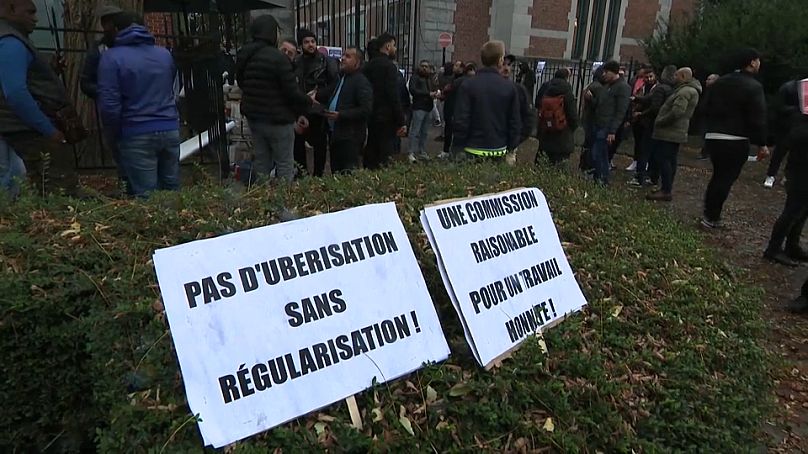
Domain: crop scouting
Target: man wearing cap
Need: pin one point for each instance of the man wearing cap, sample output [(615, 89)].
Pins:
[(314, 71), (31, 94), (89, 76)]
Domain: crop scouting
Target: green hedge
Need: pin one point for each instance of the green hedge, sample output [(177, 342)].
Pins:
[(666, 357)]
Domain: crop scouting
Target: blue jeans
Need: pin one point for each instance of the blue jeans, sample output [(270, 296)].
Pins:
[(12, 170), (151, 162), (418, 131), (600, 156)]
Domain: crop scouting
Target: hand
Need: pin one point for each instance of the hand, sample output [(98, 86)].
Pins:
[(331, 115), (433, 94), (627, 124), (58, 137), (402, 131), (610, 139), (303, 122), (763, 153), (58, 63)]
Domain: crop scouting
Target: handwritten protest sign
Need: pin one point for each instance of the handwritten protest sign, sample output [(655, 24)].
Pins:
[(275, 322), (503, 266)]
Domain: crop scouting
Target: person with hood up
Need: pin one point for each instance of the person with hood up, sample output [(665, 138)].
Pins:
[(556, 137), (272, 99), (646, 115), (138, 107), (671, 130)]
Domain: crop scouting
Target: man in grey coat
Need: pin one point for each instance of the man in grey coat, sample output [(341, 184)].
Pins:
[(671, 130), (610, 110)]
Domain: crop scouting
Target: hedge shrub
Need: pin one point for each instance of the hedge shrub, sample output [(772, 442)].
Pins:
[(666, 357)]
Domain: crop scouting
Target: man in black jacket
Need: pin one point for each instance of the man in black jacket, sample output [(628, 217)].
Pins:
[(645, 115), (314, 71), (387, 119), (487, 121), (736, 116), (272, 100), (423, 102), (558, 145), (348, 104), (789, 226), (526, 112)]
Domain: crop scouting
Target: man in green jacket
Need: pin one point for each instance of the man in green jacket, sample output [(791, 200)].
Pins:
[(670, 129)]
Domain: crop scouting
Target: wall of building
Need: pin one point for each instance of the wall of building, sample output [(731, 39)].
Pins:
[(436, 17)]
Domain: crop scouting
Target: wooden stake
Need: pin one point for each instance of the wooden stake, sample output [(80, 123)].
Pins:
[(356, 416)]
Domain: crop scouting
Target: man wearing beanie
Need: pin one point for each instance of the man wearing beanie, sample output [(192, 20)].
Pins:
[(314, 71), (735, 114)]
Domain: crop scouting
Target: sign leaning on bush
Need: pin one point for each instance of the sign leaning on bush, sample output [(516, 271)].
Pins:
[(275, 322), (503, 266)]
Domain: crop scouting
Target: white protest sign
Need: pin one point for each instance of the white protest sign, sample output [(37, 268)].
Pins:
[(275, 322), (503, 266)]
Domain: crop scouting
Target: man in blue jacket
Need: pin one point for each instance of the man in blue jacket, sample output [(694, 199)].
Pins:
[(487, 121), (30, 95), (137, 106)]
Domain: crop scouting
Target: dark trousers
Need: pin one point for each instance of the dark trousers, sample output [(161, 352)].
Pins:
[(380, 146), (618, 140), (600, 155), (778, 155), (789, 225), (638, 130), (345, 154), (644, 160), (666, 154), (728, 158), (51, 167), (448, 134), (316, 136)]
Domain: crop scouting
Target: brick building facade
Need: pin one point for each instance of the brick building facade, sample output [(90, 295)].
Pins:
[(568, 29)]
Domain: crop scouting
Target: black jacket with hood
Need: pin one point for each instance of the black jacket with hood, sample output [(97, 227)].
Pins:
[(270, 90)]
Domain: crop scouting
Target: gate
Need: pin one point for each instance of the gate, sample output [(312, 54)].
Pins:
[(337, 24)]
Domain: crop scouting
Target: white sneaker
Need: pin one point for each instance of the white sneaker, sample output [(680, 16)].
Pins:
[(443, 155), (752, 159), (411, 157), (769, 183), (632, 167)]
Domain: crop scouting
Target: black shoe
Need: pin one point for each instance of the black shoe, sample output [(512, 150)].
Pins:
[(781, 258), (797, 253), (798, 306)]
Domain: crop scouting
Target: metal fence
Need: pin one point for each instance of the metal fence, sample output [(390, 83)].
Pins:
[(337, 24), (200, 64), (543, 70)]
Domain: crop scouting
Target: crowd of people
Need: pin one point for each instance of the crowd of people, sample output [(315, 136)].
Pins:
[(357, 111)]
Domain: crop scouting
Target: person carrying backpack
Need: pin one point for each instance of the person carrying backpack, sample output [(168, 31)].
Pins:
[(558, 119)]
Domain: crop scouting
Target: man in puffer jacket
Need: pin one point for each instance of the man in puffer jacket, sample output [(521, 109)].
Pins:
[(670, 129), (272, 99)]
